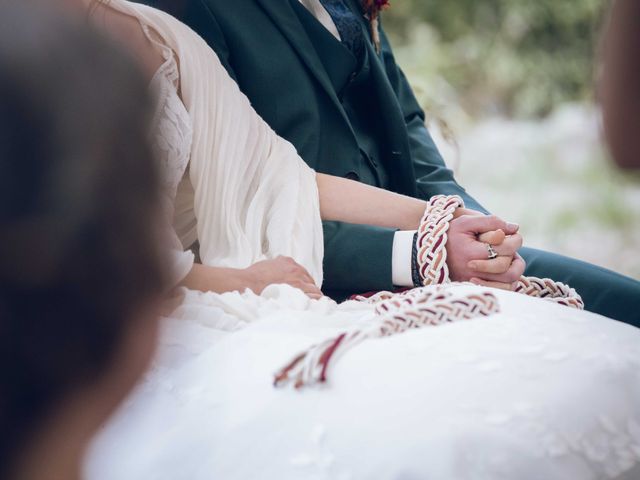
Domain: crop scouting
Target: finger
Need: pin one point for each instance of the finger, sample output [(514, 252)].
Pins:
[(308, 276), (314, 294), (495, 237), (513, 274), (481, 224), (512, 228), (308, 288), (510, 246), (497, 265), (484, 283), (305, 276)]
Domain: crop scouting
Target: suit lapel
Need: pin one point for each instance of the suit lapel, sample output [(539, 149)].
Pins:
[(393, 120), (289, 24)]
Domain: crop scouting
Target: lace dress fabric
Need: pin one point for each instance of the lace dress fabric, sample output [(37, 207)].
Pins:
[(172, 138)]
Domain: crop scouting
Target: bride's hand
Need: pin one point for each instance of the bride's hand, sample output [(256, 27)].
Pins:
[(280, 270)]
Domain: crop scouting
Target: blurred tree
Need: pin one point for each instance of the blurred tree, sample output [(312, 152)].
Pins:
[(513, 57)]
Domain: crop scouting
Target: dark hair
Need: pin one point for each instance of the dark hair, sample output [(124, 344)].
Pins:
[(79, 255)]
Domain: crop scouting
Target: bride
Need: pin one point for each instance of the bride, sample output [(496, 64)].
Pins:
[(526, 389)]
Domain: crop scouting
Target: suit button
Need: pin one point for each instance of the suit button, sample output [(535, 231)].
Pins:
[(352, 176)]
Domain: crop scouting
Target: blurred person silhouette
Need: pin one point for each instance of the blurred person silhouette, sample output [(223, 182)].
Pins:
[(620, 90), (80, 269)]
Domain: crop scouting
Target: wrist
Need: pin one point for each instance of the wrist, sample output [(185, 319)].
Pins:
[(415, 216), (243, 279), (432, 239)]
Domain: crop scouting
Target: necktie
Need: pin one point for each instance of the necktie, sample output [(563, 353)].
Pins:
[(347, 24)]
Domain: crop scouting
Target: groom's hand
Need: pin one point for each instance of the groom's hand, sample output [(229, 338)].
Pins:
[(467, 252)]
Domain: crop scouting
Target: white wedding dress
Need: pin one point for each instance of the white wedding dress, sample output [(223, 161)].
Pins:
[(536, 392)]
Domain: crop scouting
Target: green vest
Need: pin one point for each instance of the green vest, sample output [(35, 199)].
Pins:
[(351, 80)]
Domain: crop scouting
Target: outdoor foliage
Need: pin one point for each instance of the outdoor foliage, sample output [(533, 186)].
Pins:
[(510, 57)]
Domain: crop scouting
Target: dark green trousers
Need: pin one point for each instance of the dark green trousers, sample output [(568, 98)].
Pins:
[(603, 291)]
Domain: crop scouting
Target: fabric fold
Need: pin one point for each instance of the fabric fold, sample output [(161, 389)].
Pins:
[(254, 198)]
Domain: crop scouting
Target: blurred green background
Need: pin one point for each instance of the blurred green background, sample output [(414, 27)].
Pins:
[(509, 91)]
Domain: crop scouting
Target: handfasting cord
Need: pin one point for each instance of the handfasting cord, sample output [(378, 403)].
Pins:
[(399, 312), (432, 255), (432, 239), (396, 313)]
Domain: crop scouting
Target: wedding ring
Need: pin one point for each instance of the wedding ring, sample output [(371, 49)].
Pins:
[(492, 253)]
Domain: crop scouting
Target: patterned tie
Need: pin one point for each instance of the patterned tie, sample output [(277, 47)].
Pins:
[(347, 24)]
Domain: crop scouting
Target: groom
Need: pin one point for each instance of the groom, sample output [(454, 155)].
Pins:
[(312, 70)]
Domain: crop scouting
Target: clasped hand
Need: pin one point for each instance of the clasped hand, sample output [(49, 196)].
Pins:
[(468, 256)]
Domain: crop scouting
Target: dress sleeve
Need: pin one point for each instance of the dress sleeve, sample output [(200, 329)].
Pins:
[(180, 261)]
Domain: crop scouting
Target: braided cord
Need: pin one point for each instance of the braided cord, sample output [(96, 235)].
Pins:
[(398, 313), (432, 239), (432, 256), (420, 307)]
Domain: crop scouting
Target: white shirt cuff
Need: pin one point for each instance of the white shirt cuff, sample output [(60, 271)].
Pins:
[(401, 259)]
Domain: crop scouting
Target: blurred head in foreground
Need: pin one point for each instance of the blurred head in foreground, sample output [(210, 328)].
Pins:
[(80, 270), (620, 88)]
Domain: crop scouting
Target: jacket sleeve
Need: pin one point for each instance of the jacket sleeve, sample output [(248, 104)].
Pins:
[(357, 258), (432, 175)]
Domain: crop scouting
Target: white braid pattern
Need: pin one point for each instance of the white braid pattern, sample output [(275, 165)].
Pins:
[(410, 310), (550, 290), (432, 238), (432, 256)]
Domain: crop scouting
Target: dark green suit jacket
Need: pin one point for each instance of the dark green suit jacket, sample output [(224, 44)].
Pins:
[(266, 49)]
